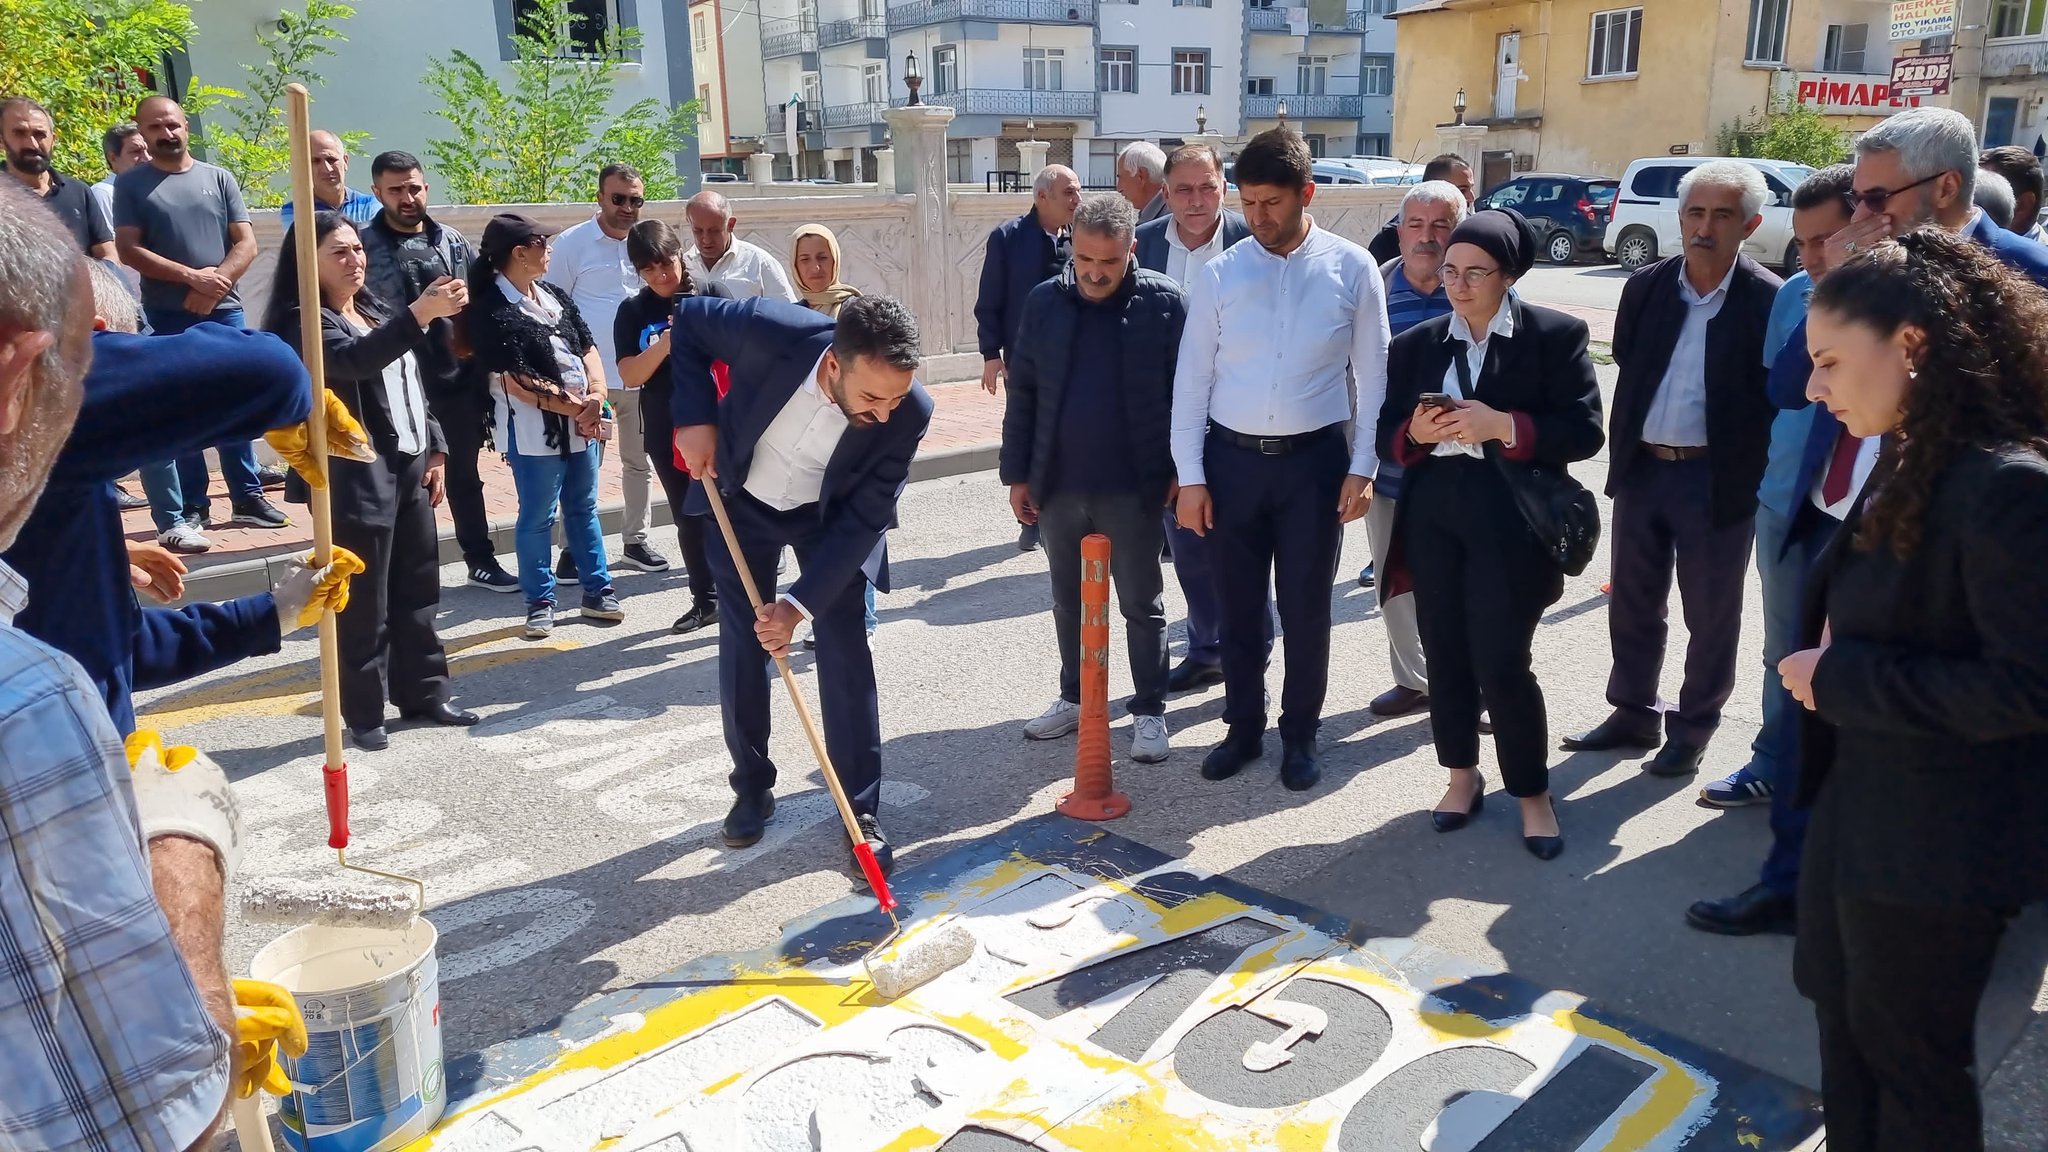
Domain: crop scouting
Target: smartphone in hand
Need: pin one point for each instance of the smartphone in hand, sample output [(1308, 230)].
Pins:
[(1441, 400)]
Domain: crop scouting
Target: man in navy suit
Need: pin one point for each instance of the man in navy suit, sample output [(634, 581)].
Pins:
[(1197, 229), (810, 449)]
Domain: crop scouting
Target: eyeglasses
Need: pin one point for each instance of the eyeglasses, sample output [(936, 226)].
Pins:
[(1876, 199), (1470, 277), (620, 200)]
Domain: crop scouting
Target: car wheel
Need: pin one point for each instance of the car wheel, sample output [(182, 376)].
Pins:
[(1561, 248), (1791, 265), (1637, 248)]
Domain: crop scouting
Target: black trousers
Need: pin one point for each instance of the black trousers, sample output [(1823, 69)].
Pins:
[(1134, 529), (690, 530), (1895, 988), (386, 634), (1482, 582), (846, 669), (461, 416), (1276, 526)]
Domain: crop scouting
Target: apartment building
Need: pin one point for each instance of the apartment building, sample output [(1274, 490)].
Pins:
[(2015, 77), (725, 57)]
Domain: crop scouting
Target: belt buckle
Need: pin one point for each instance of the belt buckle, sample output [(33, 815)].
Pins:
[(1272, 445)]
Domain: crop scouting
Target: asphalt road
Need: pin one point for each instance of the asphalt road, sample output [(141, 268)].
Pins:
[(1584, 285)]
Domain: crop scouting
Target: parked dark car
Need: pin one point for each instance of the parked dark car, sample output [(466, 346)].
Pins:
[(1569, 212)]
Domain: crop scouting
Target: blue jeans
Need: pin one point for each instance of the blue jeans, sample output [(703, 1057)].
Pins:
[(542, 483), (166, 495), (1780, 872), (1781, 580), (183, 495), (869, 593)]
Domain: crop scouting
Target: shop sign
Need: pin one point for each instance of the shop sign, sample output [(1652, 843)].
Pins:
[(1922, 19), (1921, 75), (1849, 94)]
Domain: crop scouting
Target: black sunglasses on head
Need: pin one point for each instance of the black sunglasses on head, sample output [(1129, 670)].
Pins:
[(620, 200)]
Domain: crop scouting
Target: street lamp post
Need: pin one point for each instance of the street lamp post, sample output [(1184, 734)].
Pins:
[(1282, 110), (1201, 119), (912, 78), (1458, 106)]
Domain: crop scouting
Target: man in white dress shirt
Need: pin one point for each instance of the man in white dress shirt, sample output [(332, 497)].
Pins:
[(1285, 339), (746, 270), (589, 262)]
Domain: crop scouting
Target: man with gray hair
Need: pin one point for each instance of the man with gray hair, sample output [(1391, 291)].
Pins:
[(1087, 448), (1994, 197), (1687, 444), (1141, 178)]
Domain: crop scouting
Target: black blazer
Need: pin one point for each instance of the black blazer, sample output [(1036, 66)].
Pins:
[(1927, 761), (1739, 413), (770, 348), (1153, 245), (354, 366)]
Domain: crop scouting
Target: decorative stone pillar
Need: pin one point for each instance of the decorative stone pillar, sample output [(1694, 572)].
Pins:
[(761, 167), (885, 169), (1031, 156), (919, 163)]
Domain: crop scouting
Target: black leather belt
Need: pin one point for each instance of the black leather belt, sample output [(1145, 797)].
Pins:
[(1668, 452), (1271, 445)]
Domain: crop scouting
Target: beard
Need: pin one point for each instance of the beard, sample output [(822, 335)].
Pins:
[(172, 148), (30, 163)]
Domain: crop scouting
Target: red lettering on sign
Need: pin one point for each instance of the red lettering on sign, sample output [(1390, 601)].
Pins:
[(1808, 89), (1837, 93)]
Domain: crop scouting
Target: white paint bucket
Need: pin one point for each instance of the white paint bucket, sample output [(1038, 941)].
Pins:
[(371, 1079)]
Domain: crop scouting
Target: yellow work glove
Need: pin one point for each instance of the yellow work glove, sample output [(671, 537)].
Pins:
[(305, 591), (266, 1019), (179, 792), (345, 438)]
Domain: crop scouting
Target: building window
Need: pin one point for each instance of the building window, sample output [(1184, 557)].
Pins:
[(1370, 144), (945, 69), (1377, 76), (1258, 85), (814, 91), (1844, 48), (1767, 19), (1612, 51), (960, 159), (873, 87), (1380, 7), (1194, 3), (704, 102), (1044, 69), (1315, 144), (700, 32), (590, 22), (1190, 70), (1117, 70), (1311, 75), (2014, 18)]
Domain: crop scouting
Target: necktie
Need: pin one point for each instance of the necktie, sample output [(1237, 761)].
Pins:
[(1841, 468)]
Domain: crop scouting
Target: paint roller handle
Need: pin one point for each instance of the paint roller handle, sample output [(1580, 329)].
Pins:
[(335, 782), (872, 869)]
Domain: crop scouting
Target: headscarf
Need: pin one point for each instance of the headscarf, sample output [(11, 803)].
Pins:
[(835, 293), (1501, 233)]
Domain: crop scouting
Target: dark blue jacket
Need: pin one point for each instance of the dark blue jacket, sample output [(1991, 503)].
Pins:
[(1153, 246), (148, 398), (1020, 257), (1041, 366), (770, 348)]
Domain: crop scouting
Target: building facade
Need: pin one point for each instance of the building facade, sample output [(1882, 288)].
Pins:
[(2015, 77), (725, 56)]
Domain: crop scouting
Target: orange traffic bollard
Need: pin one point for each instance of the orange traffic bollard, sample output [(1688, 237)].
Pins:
[(1094, 796)]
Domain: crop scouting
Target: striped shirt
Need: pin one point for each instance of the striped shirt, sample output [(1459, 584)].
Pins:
[(108, 1046)]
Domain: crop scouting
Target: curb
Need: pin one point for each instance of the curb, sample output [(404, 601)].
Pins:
[(256, 574)]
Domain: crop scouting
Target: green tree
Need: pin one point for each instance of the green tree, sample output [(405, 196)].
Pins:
[(85, 61), (1792, 132), (543, 140), (246, 133)]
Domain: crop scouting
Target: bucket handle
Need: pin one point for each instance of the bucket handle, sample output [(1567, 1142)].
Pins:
[(406, 1017)]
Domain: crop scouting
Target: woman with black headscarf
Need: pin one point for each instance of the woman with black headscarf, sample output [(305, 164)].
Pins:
[(1475, 401)]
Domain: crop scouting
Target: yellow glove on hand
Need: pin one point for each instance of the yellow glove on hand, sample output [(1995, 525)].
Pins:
[(305, 591), (266, 1019), (345, 438)]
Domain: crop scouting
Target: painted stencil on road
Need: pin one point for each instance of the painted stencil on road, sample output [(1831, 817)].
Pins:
[(1118, 1001)]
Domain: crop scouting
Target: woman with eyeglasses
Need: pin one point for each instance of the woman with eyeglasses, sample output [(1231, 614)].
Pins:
[(548, 411), (1474, 399), (1924, 670), (384, 509)]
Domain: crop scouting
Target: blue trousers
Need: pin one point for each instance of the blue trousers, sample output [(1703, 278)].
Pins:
[(1781, 580), (177, 488), (1194, 565), (1809, 532), (544, 482)]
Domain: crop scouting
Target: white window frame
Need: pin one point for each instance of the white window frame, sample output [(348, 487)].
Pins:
[(700, 31), (2012, 19), (1835, 56), (1376, 74), (1045, 69), (1258, 85), (813, 91), (1604, 24), (945, 69), (1769, 23), (1118, 75), (1380, 7), (1191, 76), (874, 86), (1312, 75)]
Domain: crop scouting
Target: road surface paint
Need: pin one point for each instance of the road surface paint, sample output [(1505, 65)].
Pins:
[(1117, 1001)]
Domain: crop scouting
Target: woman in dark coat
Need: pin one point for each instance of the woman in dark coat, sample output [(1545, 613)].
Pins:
[(383, 510), (1510, 386), (1925, 669)]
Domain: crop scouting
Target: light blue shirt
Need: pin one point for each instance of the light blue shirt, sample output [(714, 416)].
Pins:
[(1789, 430), (357, 207), (107, 1045)]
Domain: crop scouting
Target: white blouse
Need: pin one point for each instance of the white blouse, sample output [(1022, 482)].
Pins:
[(527, 424), (1503, 324), (404, 398)]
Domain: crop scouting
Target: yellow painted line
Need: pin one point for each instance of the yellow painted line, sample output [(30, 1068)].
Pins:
[(296, 688), (1673, 1091)]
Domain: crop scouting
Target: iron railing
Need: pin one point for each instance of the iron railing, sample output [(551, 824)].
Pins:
[(847, 31), (1305, 107), (787, 38), (1274, 19), (853, 115), (778, 118), (1016, 102), (925, 12)]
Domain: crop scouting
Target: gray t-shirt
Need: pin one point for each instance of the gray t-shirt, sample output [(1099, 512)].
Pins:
[(184, 216)]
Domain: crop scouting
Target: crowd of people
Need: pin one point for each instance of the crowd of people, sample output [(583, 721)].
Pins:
[(1224, 389)]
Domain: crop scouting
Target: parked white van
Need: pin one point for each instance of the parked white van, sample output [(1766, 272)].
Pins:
[(1644, 226)]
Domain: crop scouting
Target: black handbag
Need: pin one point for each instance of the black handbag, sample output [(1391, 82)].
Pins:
[(1558, 509)]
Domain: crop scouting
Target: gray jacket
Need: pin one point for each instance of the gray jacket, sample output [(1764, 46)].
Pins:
[(398, 275), (1153, 245)]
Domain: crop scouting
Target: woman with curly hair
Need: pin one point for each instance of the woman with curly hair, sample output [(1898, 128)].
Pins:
[(1925, 673)]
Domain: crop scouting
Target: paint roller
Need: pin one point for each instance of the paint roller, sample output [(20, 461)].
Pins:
[(919, 957), (389, 900)]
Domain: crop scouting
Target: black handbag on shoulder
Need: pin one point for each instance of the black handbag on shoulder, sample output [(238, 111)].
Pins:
[(1558, 509)]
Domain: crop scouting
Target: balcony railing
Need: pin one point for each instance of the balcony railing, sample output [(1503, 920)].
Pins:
[(787, 38), (1016, 102), (1303, 107), (847, 31), (853, 115), (807, 119), (924, 12), (1274, 19)]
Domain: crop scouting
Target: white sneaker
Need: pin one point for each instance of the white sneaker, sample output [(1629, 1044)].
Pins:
[(1148, 739), (184, 538), (1054, 722)]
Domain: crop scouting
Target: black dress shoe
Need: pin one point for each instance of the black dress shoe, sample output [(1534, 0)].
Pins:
[(1676, 758), (1365, 577), (871, 831), (1452, 821), (749, 815), (1238, 749), (1398, 701), (701, 615), (1755, 911), (443, 713), (1545, 847), (565, 568), (1299, 770), (1027, 537), (1189, 675), (371, 739), (1617, 731)]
